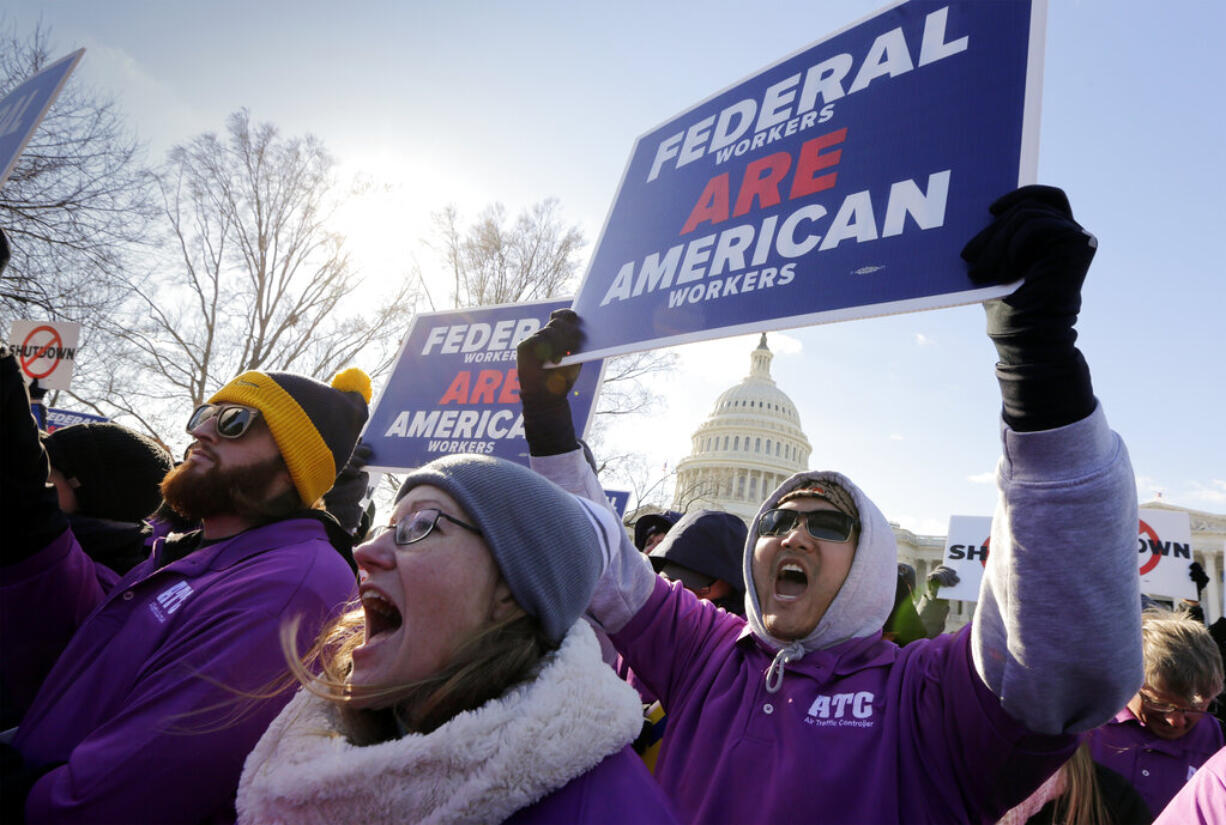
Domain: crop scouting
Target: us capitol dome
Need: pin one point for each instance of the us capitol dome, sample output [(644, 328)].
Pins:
[(748, 445)]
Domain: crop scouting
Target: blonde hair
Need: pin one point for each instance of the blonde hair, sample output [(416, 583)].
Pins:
[(1181, 656), (492, 660), (1082, 803), (1072, 792)]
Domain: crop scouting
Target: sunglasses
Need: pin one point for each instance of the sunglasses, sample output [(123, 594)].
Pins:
[(232, 420), (826, 525), (417, 525)]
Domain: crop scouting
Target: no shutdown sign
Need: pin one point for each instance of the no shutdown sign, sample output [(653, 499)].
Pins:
[(46, 350)]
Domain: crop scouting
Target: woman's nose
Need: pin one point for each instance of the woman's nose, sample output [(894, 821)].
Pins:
[(379, 552)]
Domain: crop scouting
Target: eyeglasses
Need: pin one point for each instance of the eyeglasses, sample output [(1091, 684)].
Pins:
[(417, 525), (232, 419), (826, 525), (1162, 708)]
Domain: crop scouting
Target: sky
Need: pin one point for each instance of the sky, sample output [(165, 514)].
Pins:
[(468, 103)]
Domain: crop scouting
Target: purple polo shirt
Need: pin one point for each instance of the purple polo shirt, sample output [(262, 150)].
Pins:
[(619, 790), (1156, 767), (1203, 800), (863, 731)]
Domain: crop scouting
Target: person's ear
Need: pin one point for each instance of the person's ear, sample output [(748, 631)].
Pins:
[(504, 606)]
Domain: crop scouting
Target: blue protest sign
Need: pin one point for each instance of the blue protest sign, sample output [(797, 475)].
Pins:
[(65, 418), (455, 388), (840, 182), (618, 499), (23, 108)]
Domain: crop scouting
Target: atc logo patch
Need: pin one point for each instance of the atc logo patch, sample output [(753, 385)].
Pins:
[(170, 600), (843, 710)]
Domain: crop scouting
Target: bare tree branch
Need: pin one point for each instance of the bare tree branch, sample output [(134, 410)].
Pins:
[(254, 278), (76, 206)]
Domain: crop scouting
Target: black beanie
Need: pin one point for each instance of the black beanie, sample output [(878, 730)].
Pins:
[(115, 471)]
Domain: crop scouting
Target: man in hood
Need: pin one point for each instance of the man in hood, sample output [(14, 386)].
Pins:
[(802, 712), (703, 552)]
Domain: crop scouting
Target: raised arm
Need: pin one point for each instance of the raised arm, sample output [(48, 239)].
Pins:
[(43, 571), (555, 453), (1057, 631)]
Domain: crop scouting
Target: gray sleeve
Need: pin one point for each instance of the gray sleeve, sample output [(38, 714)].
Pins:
[(628, 578), (1057, 631)]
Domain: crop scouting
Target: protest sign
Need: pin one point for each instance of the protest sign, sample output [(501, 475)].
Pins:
[(455, 388), (46, 350), (618, 499), (22, 109), (65, 418), (1164, 548), (966, 551), (840, 182)]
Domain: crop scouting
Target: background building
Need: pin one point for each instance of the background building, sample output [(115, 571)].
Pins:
[(748, 445)]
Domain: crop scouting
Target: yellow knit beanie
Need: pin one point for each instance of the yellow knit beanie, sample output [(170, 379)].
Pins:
[(315, 425)]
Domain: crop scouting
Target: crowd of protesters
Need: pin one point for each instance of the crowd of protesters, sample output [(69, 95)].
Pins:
[(225, 638)]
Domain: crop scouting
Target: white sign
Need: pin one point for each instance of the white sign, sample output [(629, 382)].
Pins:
[(966, 551), (1164, 554), (46, 350)]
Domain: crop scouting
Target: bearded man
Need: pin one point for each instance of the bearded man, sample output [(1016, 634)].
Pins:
[(155, 685)]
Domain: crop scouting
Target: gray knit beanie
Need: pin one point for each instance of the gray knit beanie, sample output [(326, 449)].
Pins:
[(540, 536)]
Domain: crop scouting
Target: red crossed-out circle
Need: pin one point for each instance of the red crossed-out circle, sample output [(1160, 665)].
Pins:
[(1157, 556), (55, 341), (986, 542)]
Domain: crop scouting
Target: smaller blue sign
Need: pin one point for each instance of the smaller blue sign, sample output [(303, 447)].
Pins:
[(455, 388), (618, 499), (23, 108), (66, 418)]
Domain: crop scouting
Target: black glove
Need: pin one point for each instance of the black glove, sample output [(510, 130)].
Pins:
[(544, 393), (943, 576), (1044, 380), (344, 500), (29, 506), (1198, 575), (37, 393)]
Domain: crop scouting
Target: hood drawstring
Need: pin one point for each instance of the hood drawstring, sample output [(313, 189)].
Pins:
[(774, 673)]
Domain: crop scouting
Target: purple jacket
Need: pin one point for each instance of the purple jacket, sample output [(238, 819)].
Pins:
[(905, 734), (140, 712), (1202, 801), (1156, 767), (619, 790)]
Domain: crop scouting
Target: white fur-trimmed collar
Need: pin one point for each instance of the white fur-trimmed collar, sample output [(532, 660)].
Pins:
[(481, 766)]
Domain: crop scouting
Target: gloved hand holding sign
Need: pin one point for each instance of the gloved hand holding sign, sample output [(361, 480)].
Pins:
[(1043, 378)]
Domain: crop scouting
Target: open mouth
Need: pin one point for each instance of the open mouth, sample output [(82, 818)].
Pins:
[(381, 615), (790, 582)]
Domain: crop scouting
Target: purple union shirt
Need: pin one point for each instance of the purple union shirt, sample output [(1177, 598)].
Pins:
[(860, 732)]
